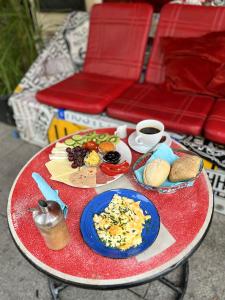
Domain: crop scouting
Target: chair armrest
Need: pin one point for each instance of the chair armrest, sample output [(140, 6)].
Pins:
[(32, 118)]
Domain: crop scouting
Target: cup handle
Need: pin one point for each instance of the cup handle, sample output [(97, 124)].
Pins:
[(138, 140)]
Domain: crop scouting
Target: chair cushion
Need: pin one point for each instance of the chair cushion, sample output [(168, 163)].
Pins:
[(191, 63), (217, 84), (215, 124), (183, 75), (178, 111), (84, 92), (209, 46), (178, 20), (117, 39)]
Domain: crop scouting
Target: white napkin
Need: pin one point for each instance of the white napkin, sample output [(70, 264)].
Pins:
[(164, 240)]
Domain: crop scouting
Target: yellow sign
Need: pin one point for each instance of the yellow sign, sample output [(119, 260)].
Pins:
[(209, 165), (60, 128)]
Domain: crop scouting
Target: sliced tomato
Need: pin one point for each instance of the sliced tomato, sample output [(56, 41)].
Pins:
[(91, 146)]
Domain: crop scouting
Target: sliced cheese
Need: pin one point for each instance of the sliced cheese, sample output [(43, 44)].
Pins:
[(59, 150), (61, 145), (58, 168), (55, 156)]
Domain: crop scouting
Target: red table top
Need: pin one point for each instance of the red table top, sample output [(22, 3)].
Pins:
[(186, 214)]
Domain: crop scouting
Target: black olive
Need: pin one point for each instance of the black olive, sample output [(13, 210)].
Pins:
[(112, 157)]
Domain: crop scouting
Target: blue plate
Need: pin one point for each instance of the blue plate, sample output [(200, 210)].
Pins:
[(99, 203)]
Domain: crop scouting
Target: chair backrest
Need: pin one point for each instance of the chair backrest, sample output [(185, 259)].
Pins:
[(117, 39), (179, 20)]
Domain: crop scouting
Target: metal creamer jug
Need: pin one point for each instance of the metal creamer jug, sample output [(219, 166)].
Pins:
[(50, 221)]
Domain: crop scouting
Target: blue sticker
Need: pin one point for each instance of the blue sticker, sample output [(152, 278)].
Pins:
[(61, 114)]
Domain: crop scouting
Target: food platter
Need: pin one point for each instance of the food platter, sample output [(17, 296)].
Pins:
[(61, 170), (99, 203)]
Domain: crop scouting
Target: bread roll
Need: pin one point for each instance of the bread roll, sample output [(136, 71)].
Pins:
[(156, 172), (184, 168)]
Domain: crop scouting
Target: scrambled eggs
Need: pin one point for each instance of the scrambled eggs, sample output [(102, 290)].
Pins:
[(120, 225), (92, 159)]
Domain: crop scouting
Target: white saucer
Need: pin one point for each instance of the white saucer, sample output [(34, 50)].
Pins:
[(144, 148)]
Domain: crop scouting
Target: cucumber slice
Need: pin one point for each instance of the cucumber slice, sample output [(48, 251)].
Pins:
[(102, 137), (78, 143), (69, 142), (84, 139), (89, 138), (98, 142), (114, 139), (77, 137)]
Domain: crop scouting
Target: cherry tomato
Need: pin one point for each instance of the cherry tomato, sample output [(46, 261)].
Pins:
[(91, 146)]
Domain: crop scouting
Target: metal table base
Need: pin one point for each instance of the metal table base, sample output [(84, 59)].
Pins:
[(56, 287)]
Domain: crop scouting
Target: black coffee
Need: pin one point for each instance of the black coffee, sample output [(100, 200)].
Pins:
[(149, 130)]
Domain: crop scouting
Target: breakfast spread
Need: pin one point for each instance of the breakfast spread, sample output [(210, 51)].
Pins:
[(85, 160), (120, 225), (156, 172), (90, 160)]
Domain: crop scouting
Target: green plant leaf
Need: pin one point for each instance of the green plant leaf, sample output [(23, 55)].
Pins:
[(18, 42)]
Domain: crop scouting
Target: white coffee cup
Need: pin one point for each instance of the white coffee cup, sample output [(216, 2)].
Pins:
[(149, 139)]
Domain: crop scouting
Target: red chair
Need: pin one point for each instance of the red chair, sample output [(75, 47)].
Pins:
[(214, 128), (116, 46), (180, 112)]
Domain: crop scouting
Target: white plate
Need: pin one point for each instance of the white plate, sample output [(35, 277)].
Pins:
[(144, 148), (125, 153)]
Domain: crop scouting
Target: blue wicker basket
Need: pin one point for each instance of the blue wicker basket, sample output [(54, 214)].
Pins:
[(164, 189)]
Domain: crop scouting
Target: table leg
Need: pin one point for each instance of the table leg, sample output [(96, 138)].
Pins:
[(179, 290), (55, 288)]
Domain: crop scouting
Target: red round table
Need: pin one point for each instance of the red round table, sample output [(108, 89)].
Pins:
[(186, 215)]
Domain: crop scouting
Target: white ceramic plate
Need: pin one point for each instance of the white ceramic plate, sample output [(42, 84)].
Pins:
[(125, 152)]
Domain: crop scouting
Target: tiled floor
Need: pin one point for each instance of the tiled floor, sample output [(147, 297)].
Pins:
[(20, 281)]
